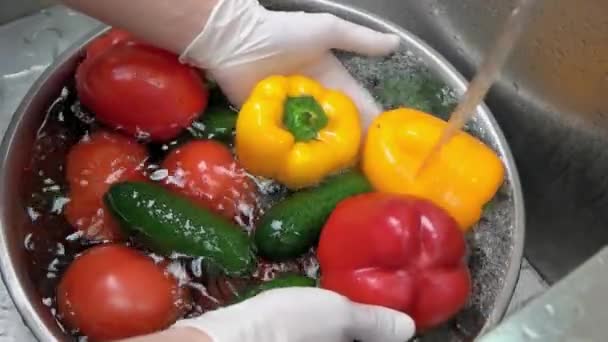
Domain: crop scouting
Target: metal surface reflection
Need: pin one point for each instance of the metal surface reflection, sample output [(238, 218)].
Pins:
[(572, 310)]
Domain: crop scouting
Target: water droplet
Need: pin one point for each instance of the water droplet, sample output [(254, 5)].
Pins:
[(53, 265), (28, 242), (550, 310), (48, 301), (60, 249), (75, 236), (58, 204), (156, 258), (33, 214), (516, 86), (197, 267), (580, 310), (530, 333), (159, 174), (72, 13)]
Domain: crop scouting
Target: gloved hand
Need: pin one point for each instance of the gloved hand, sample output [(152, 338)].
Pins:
[(302, 315), (242, 43)]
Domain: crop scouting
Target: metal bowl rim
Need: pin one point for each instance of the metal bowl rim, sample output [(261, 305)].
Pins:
[(7, 269)]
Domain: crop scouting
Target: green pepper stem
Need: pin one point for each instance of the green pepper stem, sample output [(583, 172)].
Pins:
[(304, 117)]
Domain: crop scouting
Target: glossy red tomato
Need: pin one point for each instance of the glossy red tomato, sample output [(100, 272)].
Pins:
[(93, 165), (112, 292), (140, 89), (206, 172)]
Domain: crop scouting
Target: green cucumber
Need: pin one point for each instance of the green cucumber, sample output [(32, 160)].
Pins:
[(287, 280), (171, 223), (292, 226), (218, 123)]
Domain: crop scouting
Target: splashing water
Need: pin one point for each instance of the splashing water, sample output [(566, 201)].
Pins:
[(488, 73)]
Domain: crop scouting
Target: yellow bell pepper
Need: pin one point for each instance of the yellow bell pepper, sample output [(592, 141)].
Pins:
[(463, 176), (295, 131)]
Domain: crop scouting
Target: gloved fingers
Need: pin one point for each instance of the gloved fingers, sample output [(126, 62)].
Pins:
[(332, 74), (218, 324), (359, 39), (227, 37), (374, 323), (238, 81)]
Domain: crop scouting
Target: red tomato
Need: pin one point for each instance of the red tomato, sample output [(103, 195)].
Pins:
[(112, 292), (206, 172), (140, 89), (93, 165), (107, 40)]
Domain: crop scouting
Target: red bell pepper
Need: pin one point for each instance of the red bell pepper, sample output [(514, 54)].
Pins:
[(396, 251)]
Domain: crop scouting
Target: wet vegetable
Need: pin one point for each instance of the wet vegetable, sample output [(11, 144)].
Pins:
[(464, 176), (199, 201), (396, 251), (292, 226), (295, 131), (288, 280), (205, 172), (218, 122), (112, 292), (170, 223), (140, 89), (93, 165)]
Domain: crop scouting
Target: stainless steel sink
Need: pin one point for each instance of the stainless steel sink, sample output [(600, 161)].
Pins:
[(550, 103)]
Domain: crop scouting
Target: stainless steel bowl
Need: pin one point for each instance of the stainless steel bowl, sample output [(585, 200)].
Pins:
[(496, 245)]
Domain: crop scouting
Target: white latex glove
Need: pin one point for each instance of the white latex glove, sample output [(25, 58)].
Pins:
[(302, 314), (243, 43)]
